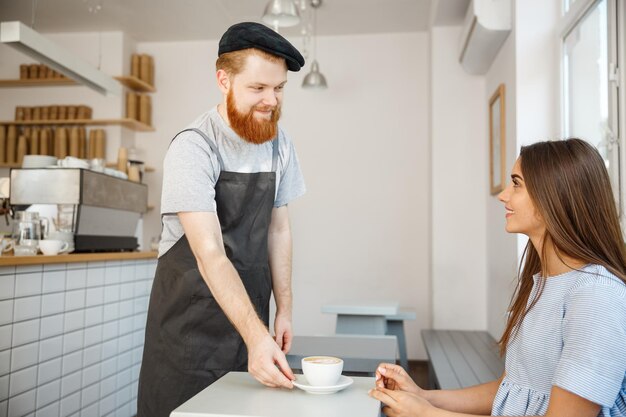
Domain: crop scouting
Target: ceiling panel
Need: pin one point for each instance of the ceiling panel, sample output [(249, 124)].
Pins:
[(176, 20)]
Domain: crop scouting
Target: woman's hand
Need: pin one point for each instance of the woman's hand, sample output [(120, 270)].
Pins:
[(402, 403), (394, 377)]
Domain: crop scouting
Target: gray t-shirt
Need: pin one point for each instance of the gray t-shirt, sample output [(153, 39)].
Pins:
[(191, 169)]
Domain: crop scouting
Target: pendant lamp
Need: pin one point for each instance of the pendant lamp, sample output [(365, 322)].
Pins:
[(281, 13), (315, 80)]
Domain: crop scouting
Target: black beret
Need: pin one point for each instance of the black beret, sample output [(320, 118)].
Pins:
[(255, 35)]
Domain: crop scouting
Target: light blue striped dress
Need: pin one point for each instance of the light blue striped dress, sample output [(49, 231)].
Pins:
[(574, 338)]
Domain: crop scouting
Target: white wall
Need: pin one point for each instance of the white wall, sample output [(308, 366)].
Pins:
[(501, 246), (361, 231), (459, 184)]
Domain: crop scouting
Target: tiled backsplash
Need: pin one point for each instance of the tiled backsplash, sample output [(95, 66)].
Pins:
[(71, 337)]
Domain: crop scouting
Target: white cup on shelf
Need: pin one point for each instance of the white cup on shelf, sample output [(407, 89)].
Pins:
[(53, 247)]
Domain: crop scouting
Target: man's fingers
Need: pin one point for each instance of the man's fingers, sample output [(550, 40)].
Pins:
[(281, 361), (279, 378), (279, 339), (286, 347), (266, 378)]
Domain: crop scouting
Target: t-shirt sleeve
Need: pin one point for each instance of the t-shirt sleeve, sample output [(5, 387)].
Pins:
[(593, 361), (291, 182), (188, 176)]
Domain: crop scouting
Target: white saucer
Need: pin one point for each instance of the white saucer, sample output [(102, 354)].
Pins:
[(303, 384)]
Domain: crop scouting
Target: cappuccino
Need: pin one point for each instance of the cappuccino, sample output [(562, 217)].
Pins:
[(322, 370), (328, 360)]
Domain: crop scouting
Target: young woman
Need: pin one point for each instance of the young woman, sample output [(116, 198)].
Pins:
[(565, 339)]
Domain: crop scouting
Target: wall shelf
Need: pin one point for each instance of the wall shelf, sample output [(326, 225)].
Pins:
[(43, 82), (129, 81), (136, 84), (128, 123)]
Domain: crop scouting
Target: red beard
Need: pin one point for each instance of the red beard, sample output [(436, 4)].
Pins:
[(247, 126)]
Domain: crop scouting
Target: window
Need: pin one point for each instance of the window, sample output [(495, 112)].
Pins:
[(567, 4), (590, 88)]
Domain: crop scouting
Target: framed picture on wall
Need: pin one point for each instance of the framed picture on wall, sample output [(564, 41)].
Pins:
[(497, 140)]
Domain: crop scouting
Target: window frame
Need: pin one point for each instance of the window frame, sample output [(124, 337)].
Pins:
[(616, 15)]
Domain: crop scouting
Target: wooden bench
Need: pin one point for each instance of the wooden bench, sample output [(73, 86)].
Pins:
[(459, 359), (360, 353)]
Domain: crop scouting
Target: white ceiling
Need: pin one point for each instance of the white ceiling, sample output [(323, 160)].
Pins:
[(176, 20)]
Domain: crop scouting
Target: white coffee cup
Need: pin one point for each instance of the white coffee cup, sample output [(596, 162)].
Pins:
[(322, 371), (6, 244), (53, 246)]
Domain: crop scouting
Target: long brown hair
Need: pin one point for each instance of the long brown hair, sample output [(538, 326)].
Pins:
[(569, 186)]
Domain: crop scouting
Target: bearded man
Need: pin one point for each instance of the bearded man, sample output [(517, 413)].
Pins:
[(226, 240)]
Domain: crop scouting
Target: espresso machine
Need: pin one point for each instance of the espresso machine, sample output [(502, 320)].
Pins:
[(100, 211)]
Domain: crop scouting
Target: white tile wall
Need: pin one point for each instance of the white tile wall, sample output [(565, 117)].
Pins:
[(74, 300), (49, 371), (54, 282), (76, 279), (7, 286), (91, 411), (4, 387), (95, 277), (22, 381), (51, 326), (5, 362), (5, 336), (27, 308), (24, 356), (50, 348), (71, 383), (28, 284), (51, 410), (6, 312), (26, 331), (49, 393), (71, 338), (22, 404), (70, 404), (52, 303)]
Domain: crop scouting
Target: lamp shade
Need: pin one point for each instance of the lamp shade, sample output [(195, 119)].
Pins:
[(281, 13), (314, 80)]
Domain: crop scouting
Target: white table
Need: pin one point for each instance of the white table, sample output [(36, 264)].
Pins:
[(376, 318), (239, 394)]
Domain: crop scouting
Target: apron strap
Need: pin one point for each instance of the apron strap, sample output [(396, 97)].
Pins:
[(209, 141), (275, 153)]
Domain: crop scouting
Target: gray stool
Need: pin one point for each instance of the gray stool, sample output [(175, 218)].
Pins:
[(375, 319)]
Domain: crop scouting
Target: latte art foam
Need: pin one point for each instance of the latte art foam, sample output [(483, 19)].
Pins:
[(323, 360)]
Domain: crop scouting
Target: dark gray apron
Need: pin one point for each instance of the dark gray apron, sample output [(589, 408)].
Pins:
[(190, 343)]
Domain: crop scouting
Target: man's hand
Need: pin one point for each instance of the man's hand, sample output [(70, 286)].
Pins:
[(284, 334), (394, 377), (267, 363)]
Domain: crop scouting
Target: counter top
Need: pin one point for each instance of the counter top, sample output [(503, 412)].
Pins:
[(10, 260)]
